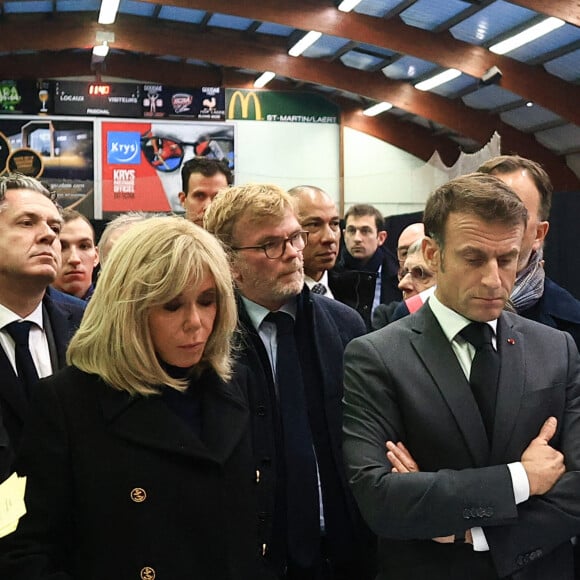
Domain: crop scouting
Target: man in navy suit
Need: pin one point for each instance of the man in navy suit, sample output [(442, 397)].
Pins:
[(259, 226), (481, 477), (30, 257)]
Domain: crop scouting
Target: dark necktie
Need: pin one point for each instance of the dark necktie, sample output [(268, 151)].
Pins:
[(484, 373), (25, 367), (303, 512), (319, 289)]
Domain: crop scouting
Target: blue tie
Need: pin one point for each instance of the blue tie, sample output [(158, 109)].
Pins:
[(25, 367), (303, 508)]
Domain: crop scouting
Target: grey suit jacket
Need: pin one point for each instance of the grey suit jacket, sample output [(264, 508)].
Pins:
[(404, 383)]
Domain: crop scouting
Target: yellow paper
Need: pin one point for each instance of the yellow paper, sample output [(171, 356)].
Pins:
[(12, 506)]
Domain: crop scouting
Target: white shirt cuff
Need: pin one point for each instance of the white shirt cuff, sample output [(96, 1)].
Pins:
[(521, 487), (479, 541), (520, 482)]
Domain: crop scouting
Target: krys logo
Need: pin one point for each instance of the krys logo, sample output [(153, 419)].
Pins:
[(244, 100), (123, 148)]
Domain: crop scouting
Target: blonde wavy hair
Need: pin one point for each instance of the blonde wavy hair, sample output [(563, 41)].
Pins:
[(258, 200), (151, 264)]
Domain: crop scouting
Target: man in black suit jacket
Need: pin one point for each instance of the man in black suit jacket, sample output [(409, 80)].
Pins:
[(29, 260), (258, 225), (451, 500)]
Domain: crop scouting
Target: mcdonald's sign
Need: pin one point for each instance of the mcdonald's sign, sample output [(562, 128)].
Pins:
[(244, 110)]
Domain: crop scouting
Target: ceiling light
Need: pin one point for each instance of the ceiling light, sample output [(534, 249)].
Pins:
[(108, 11), (439, 79), (306, 41), (527, 35), (529, 104), (348, 5), (264, 79), (101, 49), (377, 109)]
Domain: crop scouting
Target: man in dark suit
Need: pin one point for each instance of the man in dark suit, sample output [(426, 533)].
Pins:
[(258, 225), (29, 261), (473, 484), (534, 295)]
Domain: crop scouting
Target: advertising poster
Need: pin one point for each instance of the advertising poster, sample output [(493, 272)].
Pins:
[(26, 97), (60, 153), (142, 161), (280, 107), (201, 104)]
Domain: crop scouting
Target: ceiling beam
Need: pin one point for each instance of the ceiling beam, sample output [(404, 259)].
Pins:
[(530, 82), (567, 10)]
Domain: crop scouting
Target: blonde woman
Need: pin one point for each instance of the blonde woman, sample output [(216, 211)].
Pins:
[(138, 455)]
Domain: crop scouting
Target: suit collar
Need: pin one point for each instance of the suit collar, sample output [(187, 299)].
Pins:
[(433, 348)]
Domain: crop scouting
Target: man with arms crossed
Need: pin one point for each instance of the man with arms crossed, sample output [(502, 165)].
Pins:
[(474, 484)]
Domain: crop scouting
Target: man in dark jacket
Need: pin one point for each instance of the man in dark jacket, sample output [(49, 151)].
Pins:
[(366, 272), (311, 527), (535, 296), (30, 256)]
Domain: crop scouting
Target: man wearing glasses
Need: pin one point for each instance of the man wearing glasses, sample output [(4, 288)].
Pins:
[(201, 179), (293, 342)]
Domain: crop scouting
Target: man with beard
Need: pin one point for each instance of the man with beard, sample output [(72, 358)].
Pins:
[(293, 341)]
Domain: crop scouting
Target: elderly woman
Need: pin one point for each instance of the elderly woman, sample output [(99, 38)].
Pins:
[(138, 455)]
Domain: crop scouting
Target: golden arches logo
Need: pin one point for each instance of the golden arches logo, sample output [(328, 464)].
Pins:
[(244, 100)]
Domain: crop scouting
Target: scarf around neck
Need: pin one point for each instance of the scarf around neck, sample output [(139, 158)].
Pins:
[(529, 284)]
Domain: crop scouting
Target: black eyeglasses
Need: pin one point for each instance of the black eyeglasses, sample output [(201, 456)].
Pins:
[(166, 154), (417, 273), (275, 249)]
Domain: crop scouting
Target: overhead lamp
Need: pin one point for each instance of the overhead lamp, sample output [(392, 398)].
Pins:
[(101, 50), (305, 42), (348, 5), (377, 109), (532, 33), (108, 11), (264, 79), (438, 79)]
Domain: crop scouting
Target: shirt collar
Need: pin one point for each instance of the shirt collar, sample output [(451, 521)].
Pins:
[(7, 316), (451, 322), (257, 313), (323, 280)]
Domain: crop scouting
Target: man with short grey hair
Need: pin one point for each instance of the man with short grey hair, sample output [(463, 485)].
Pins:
[(36, 322)]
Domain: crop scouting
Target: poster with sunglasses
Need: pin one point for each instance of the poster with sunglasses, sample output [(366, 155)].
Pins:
[(141, 168)]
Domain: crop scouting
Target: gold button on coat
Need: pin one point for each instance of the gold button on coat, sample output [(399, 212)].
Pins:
[(138, 494), (147, 573)]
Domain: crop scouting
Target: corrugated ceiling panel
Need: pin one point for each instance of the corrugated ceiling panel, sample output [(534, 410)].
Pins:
[(455, 86), (550, 42), (526, 118), (325, 46), (137, 8), (377, 50), (361, 60), (490, 22), (490, 97), (377, 7), (77, 5), (231, 22), (27, 7), (181, 14), (560, 138), (429, 14), (275, 29), (408, 68), (566, 67)]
